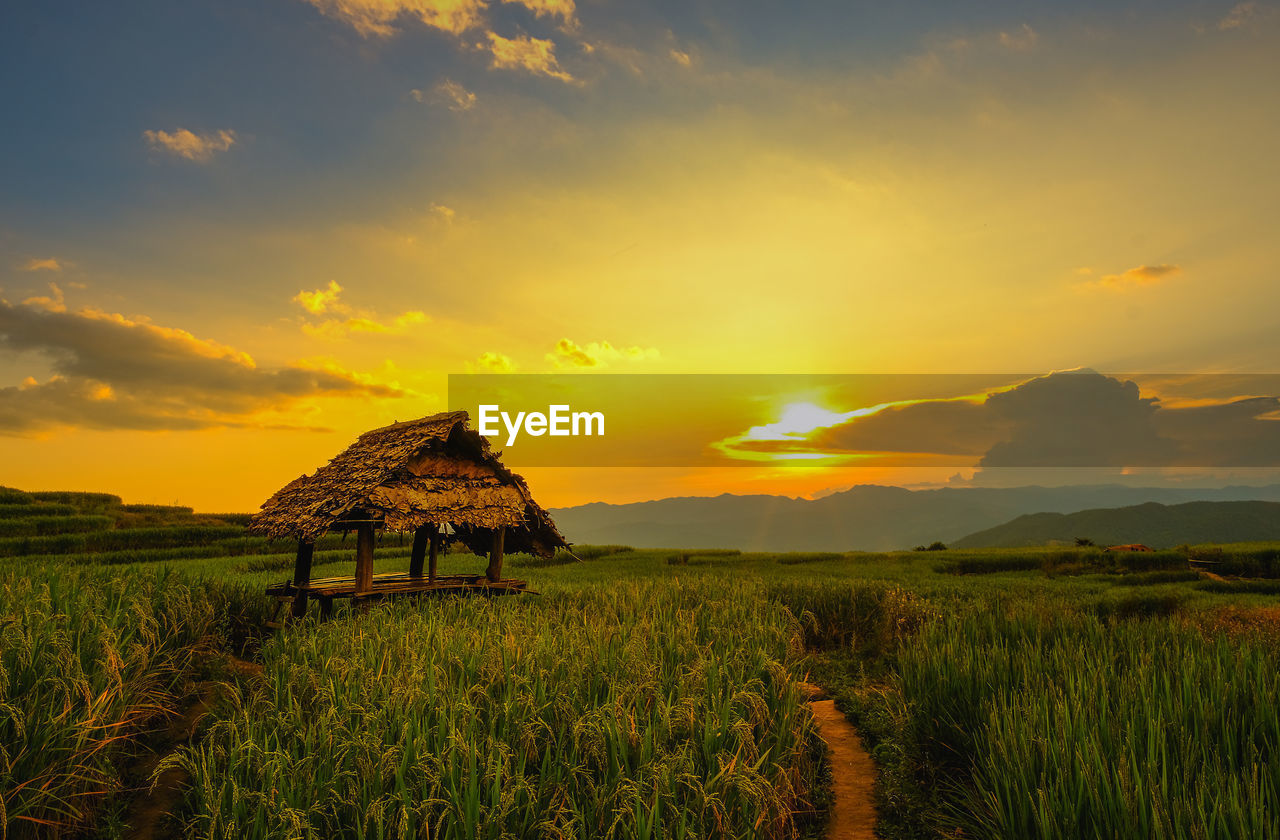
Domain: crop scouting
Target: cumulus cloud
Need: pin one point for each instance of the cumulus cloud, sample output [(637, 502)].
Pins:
[(495, 363), (345, 320), (1076, 419), (42, 264), (318, 301), (113, 372), (449, 93), (568, 354), (188, 145), (682, 58), (524, 52)]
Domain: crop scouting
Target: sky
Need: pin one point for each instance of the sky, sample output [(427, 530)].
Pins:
[(234, 235)]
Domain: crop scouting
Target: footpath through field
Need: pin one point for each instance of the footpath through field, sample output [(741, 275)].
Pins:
[(853, 773)]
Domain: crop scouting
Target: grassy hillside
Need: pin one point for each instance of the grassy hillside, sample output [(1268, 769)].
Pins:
[(1156, 525)]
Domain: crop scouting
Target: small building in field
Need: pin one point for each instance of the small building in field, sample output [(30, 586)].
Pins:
[(1129, 547), (435, 478)]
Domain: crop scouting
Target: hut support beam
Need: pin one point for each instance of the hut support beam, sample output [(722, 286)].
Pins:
[(364, 558), (436, 539), (419, 551), (302, 576), (494, 572)]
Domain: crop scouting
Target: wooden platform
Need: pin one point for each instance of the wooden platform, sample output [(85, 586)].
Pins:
[(384, 586)]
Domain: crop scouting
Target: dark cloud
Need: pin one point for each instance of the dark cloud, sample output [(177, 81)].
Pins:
[(115, 373), (1239, 433), (1076, 419), (942, 427)]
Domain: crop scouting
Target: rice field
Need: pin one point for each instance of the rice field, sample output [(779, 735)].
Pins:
[(643, 694)]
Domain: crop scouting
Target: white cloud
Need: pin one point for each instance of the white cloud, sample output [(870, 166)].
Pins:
[(448, 93), (188, 145), (1022, 39)]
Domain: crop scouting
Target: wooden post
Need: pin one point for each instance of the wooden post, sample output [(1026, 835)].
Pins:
[(302, 576), (436, 539), (364, 558), (419, 551), (494, 572)]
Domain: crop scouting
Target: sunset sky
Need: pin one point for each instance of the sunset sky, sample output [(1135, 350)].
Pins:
[(234, 235)]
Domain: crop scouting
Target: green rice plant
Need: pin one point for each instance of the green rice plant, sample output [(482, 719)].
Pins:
[(13, 496), (173, 510), (595, 552), (1156, 578), (1050, 723), (18, 527), (1241, 587), (987, 565), (82, 501), (796, 558), (629, 710), (1141, 605), (87, 661), (85, 523), (115, 540), (26, 511)]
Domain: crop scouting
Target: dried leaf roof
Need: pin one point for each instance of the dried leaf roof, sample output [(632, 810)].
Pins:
[(435, 470)]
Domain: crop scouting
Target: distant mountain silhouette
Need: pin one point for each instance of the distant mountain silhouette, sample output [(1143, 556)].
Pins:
[(867, 517), (1153, 524)]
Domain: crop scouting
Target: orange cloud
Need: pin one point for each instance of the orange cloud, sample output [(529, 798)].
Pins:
[(325, 301), (199, 148), (113, 372), (378, 17), (53, 303), (1143, 275), (563, 9), (45, 264), (495, 363), (316, 302), (335, 328), (534, 55), (569, 354)]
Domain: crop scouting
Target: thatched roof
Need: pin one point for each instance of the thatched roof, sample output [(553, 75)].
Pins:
[(421, 472)]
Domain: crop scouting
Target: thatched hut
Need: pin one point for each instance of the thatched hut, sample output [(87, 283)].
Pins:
[(434, 477)]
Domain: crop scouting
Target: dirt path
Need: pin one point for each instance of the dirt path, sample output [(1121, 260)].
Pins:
[(853, 813), (148, 811)]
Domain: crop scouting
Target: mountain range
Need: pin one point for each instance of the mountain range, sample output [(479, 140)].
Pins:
[(1153, 524), (867, 517)]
